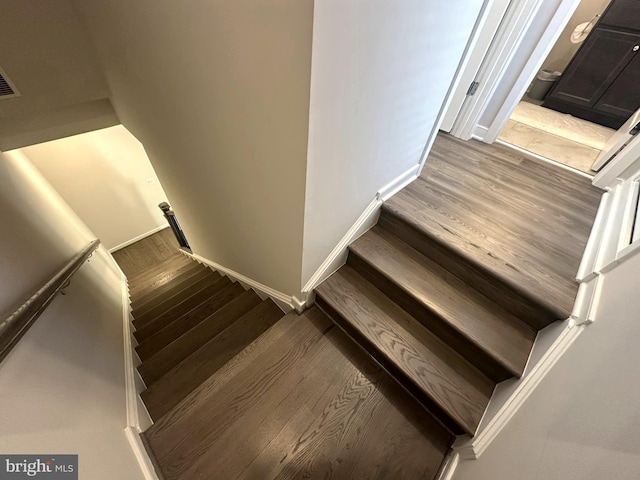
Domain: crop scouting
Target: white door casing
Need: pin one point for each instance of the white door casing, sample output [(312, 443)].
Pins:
[(617, 141)]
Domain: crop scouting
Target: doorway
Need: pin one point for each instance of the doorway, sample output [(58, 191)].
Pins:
[(533, 36), (567, 121)]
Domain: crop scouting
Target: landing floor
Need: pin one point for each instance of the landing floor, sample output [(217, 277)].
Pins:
[(301, 402), (527, 219)]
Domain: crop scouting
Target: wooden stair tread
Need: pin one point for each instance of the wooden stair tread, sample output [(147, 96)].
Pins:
[(454, 386), (166, 286), (492, 329), (153, 368), (478, 243), (178, 382), (174, 312), (497, 182), (136, 291), (289, 332), (202, 414), (210, 304), (167, 265), (508, 231), (198, 282)]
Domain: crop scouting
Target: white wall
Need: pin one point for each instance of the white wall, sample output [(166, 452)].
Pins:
[(102, 175), (39, 232), (380, 73), (48, 56), (62, 386), (218, 93), (529, 43), (564, 50), (583, 421)]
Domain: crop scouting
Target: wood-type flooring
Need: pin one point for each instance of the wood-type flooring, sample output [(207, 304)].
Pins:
[(437, 304), (466, 265)]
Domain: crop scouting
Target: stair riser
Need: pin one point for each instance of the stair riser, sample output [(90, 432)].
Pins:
[(152, 369), (160, 303), (452, 337), (166, 288), (394, 372), (175, 329), (144, 332), (475, 275), (161, 397)]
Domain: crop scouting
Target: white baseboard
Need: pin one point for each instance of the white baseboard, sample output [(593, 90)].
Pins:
[(398, 183), (284, 301), (449, 467), (472, 448), (138, 238), (146, 465), (129, 368), (136, 414), (367, 219), (587, 268), (479, 133), (338, 255)]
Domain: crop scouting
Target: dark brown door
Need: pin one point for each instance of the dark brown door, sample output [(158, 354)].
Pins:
[(601, 59), (623, 96)]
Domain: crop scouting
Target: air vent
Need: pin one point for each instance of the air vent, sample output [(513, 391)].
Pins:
[(7, 90)]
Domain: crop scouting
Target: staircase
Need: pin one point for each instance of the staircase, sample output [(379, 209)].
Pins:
[(237, 389), (446, 294), (448, 291), (189, 321)]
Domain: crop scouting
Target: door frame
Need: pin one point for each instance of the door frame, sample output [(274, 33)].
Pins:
[(511, 34), (481, 39)]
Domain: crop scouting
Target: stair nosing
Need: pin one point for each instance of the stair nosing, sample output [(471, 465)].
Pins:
[(501, 360), (210, 299), (175, 282), (516, 287), (150, 322), (408, 375), (248, 294)]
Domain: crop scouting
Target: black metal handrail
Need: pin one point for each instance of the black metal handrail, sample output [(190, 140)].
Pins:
[(17, 324)]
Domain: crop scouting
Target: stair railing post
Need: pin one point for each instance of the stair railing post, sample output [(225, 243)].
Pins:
[(174, 224)]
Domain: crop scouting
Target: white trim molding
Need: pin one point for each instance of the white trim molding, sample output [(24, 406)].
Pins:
[(472, 448), (367, 219), (508, 38), (338, 255), (449, 466), (284, 301), (140, 452), (138, 238), (136, 414), (402, 180)]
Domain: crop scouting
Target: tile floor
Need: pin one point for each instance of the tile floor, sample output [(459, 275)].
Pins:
[(558, 136)]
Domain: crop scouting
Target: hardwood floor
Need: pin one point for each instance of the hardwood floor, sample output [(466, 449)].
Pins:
[(436, 304)]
